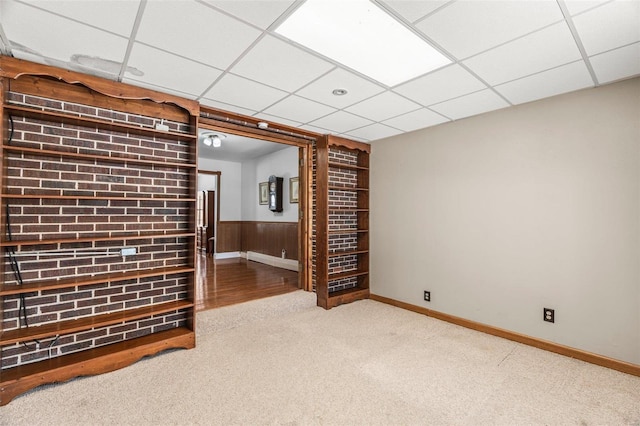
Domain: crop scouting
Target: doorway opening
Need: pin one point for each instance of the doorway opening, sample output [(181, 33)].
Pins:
[(247, 248)]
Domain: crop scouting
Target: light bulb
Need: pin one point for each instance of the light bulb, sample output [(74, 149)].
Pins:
[(216, 141), (207, 141)]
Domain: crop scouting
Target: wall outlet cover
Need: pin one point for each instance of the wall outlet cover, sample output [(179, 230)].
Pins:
[(427, 296)]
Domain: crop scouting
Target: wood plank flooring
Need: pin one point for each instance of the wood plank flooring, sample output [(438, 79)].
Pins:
[(225, 282)]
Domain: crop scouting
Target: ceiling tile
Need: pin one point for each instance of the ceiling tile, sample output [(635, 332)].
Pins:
[(299, 109), (465, 28), (185, 28), (577, 6), (553, 82), (617, 64), (226, 107), (412, 10), (475, 103), (30, 31), (278, 64), (536, 52), (373, 132), (261, 13), (610, 26), (315, 129), (158, 88), (279, 120), (341, 122), (383, 106), (235, 90), (416, 120), (193, 78), (441, 85), (114, 16), (357, 88)]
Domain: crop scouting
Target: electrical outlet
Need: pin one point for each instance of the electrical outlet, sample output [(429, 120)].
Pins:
[(128, 251), (162, 127), (549, 315), (427, 296)]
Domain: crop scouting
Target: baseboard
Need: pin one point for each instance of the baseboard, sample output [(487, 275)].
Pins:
[(603, 361), (227, 255), (290, 264)]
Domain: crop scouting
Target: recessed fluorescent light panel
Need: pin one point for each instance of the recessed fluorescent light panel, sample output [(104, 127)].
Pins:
[(361, 36)]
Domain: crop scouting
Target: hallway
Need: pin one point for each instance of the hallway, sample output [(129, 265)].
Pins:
[(229, 281)]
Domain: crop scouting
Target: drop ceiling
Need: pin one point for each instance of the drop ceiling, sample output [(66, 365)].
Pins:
[(227, 54)]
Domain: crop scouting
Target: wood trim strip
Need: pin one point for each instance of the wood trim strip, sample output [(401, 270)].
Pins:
[(277, 133), (91, 157), (15, 68), (86, 323), (603, 361), (349, 144), (84, 280), (92, 361), (90, 122), (20, 243)]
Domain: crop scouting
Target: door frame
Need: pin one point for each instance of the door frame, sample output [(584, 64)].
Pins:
[(216, 120), (217, 174)]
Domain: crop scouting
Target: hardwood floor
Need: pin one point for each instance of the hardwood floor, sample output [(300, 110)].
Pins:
[(229, 281)]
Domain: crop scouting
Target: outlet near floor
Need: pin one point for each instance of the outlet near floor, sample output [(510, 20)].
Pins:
[(549, 315), (427, 296)]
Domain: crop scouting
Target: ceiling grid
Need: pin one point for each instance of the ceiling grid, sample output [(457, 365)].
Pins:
[(229, 55)]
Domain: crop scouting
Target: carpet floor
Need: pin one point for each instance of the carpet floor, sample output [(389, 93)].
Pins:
[(283, 361)]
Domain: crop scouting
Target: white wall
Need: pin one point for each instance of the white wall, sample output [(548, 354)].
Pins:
[(207, 182), (283, 163), (230, 187), (505, 213)]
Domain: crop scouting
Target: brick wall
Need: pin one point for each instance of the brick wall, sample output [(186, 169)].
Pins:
[(343, 220), (56, 305), (145, 199)]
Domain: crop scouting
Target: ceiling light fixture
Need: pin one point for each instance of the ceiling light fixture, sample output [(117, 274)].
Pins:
[(339, 92), (213, 140), (364, 38)]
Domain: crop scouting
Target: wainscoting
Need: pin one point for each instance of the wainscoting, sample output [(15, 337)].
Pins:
[(261, 237), (229, 236)]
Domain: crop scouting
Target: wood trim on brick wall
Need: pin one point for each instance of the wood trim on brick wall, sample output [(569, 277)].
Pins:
[(14, 68), (603, 361), (86, 171)]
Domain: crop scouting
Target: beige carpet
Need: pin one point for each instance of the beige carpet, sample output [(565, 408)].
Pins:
[(283, 361)]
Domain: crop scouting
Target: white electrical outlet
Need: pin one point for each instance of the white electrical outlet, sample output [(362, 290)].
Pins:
[(128, 251)]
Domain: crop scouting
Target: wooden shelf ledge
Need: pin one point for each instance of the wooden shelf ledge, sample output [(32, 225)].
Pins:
[(348, 274), (75, 325), (347, 231), (89, 122), (97, 158), (99, 360), (8, 289), (90, 197), (347, 210), (346, 188), (347, 253), (18, 243), (346, 166)]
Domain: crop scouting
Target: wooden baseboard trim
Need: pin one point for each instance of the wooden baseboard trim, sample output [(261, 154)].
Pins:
[(603, 361), (103, 359)]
